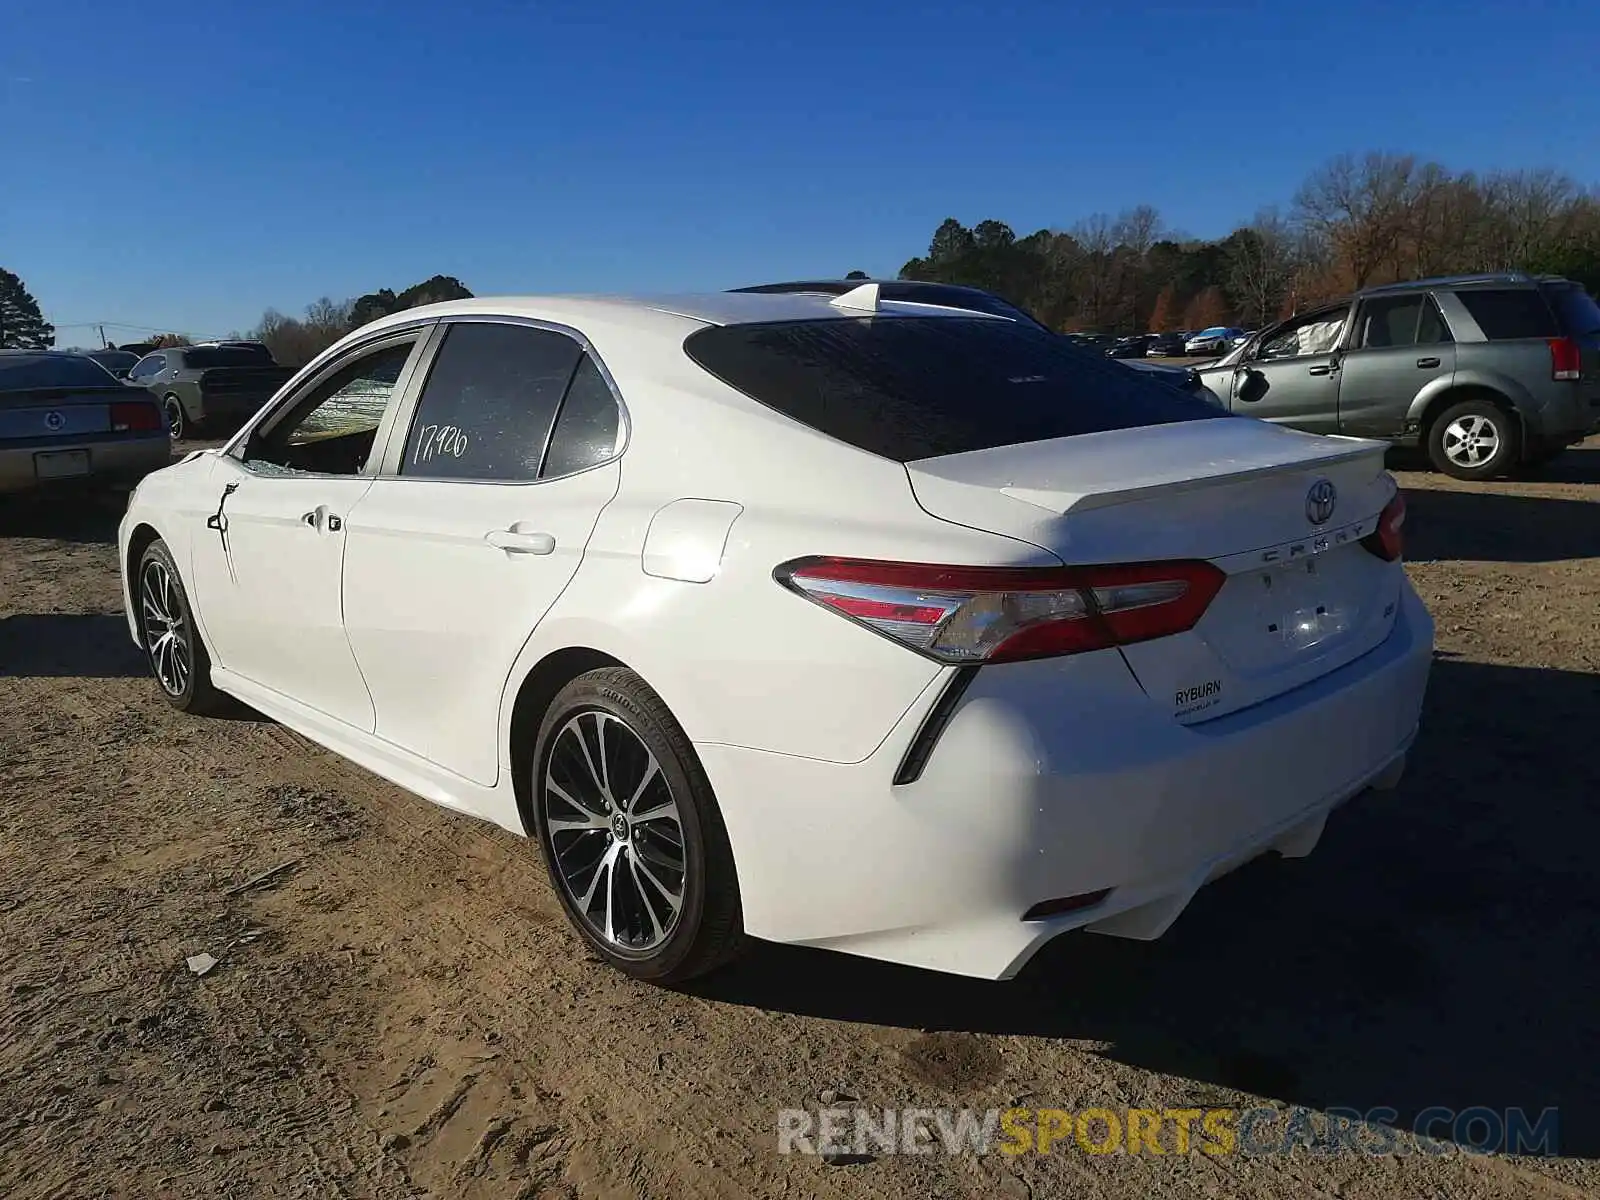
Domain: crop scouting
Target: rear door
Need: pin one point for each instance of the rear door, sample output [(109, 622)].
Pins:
[(266, 571), (1399, 346), (478, 521), (1292, 377)]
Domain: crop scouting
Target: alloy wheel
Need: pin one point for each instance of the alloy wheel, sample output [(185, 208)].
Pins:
[(1471, 440), (174, 413), (166, 633), (615, 831)]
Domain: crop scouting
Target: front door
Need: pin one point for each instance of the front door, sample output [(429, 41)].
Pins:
[(1400, 345), (267, 572), (1292, 378), (479, 521)]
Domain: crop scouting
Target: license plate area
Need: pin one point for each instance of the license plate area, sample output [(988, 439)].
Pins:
[(1300, 607), (60, 464)]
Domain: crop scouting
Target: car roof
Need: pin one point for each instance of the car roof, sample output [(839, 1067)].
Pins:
[(1486, 279), (660, 311)]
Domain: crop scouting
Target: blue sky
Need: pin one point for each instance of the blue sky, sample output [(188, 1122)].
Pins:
[(186, 166)]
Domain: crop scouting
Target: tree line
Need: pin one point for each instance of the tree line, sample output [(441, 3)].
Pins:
[(1355, 222), (295, 341)]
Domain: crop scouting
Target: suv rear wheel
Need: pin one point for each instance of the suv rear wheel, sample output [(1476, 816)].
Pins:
[(1476, 439)]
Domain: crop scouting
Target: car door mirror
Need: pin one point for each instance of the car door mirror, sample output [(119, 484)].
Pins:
[(1249, 386)]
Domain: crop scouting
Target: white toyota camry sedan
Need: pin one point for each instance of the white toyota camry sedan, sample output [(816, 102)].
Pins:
[(900, 630)]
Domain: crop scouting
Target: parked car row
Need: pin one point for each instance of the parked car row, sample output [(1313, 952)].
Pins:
[(1200, 343), (1484, 373)]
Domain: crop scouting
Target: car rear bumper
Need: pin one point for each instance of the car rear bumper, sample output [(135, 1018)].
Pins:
[(125, 460), (1055, 779)]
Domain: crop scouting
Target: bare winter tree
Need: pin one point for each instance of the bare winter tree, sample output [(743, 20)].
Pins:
[(1261, 269), (1364, 208)]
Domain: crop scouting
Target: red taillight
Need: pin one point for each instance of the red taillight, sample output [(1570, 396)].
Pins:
[(1386, 541), (1566, 359), (135, 416), (1005, 614)]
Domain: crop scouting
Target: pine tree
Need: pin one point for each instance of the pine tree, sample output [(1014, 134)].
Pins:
[(22, 326)]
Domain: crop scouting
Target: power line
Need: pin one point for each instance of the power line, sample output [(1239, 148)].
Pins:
[(137, 328)]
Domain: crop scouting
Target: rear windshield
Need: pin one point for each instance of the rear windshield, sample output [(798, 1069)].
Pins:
[(1510, 313), (1579, 314), (227, 356), (910, 388), (19, 371)]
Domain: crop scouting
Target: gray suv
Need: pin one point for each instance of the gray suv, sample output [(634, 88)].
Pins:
[(1483, 372)]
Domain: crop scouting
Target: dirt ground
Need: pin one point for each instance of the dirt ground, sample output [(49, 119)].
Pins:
[(401, 1010)]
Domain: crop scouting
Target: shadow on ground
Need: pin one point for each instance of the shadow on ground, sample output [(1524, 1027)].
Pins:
[(1437, 949), (65, 516), (1497, 526), (83, 646), (61, 645)]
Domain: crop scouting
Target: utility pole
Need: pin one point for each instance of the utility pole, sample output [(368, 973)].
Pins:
[(104, 345)]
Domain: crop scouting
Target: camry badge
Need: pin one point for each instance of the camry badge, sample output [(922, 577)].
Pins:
[(1319, 502), (53, 421)]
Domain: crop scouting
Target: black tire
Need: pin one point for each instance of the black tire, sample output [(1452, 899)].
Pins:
[(168, 611), (1476, 439), (706, 929), (177, 419)]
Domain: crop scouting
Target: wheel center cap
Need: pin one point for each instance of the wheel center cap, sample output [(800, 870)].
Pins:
[(619, 826)]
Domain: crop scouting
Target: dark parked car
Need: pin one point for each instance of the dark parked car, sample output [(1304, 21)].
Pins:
[(218, 385), (950, 295), (118, 362), (65, 419), (1136, 346), (1484, 372), (1167, 345)]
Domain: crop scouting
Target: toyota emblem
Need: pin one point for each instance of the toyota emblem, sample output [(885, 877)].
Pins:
[(53, 421), (1320, 500)]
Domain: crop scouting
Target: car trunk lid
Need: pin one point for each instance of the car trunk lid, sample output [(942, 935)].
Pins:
[(1303, 596), (60, 412)]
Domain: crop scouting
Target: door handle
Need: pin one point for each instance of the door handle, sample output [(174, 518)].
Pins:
[(312, 518), (1426, 363), (517, 541), (1325, 370)]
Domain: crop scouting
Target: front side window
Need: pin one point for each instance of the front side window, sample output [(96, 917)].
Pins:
[(491, 399), (1391, 321), (1317, 333), (331, 430), (147, 367)]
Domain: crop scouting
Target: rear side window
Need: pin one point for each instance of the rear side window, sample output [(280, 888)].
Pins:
[(489, 403), (910, 388), (586, 430), (1579, 314), (1510, 313)]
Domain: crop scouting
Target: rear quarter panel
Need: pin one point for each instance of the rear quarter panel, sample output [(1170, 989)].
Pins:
[(740, 659)]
